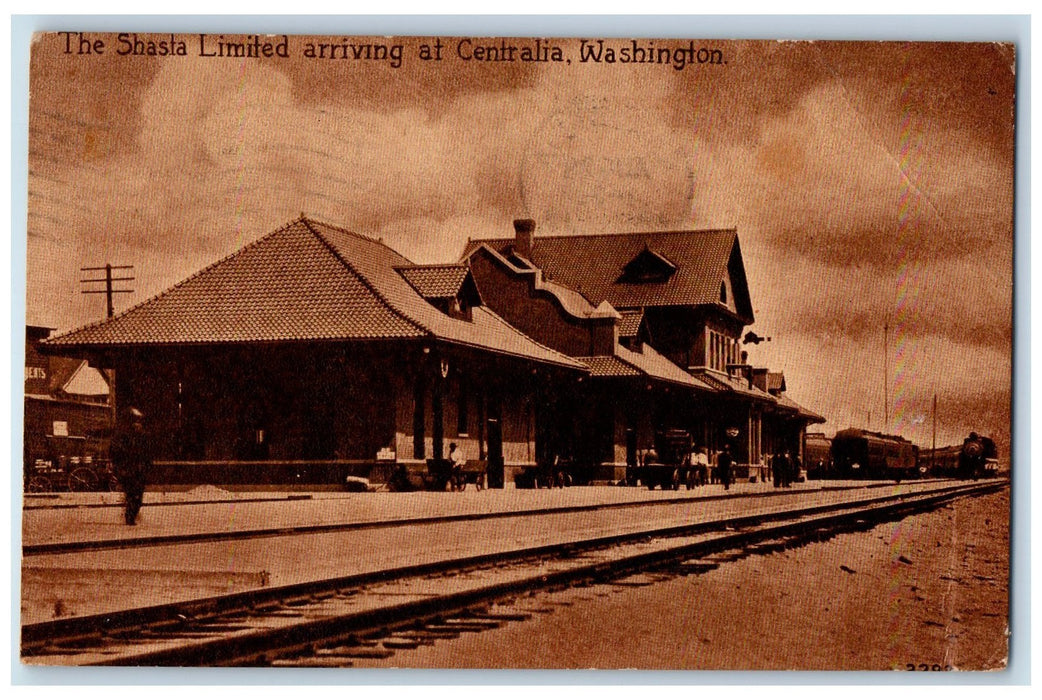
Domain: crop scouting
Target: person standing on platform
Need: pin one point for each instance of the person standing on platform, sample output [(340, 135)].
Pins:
[(459, 460), (779, 469), (700, 463), (131, 455), (723, 465), (796, 465)]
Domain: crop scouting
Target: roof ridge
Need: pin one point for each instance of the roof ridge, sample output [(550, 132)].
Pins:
[(730, 229), (312, 220), (180, 284), (423, 266), (626, 362), (362, 278), (364, 237), (641, 233)]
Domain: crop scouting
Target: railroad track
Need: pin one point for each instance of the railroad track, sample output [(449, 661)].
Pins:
[(96, 545), (338, 621)]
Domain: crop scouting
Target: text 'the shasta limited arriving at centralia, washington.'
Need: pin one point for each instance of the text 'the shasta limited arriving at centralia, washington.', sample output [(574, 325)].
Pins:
[(608, 52)]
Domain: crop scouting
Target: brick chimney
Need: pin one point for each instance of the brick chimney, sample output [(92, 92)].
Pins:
[(523, 231)]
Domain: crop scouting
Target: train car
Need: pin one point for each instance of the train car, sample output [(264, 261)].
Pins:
[(817, 456), (942, 462), (975, 458), (863, 454)]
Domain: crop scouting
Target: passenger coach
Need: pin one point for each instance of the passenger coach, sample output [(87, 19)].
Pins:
[(862, 454)]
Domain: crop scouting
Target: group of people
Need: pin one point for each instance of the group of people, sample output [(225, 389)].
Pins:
[(785, 469), (131, 454), (698, 462)]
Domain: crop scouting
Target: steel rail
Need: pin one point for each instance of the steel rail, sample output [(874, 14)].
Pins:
[(73, 547), (254, 647), (308, 637)]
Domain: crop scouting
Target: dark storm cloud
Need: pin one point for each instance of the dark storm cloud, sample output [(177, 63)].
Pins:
[(879, 245), (967, 86), (961, 86), (865, 326)]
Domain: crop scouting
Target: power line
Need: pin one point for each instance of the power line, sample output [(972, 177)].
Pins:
[(108, 279)]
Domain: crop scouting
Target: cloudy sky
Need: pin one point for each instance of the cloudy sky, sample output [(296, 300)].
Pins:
[(870, 184)]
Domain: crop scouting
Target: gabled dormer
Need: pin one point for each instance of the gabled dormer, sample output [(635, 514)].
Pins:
[(647, 267), (771, 382), (734, 288), (449, 288)]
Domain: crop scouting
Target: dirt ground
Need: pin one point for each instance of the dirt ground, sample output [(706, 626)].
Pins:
[(927, 593)]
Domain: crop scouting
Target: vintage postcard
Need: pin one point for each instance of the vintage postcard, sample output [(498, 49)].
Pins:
[(453, 352)]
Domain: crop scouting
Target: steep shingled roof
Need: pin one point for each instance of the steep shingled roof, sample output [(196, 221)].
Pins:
[(289, 285), (649, 363), (306, 281), (629, 325), (592, 265), (609, 366), (775, 382), (655, 365), (734, 385), (435, 281)]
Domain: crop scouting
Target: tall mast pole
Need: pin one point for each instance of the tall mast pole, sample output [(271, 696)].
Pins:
[(886, 379), (108, 290), (933, 460)]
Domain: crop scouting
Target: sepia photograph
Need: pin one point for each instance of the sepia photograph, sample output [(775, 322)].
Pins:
[(470, 352)]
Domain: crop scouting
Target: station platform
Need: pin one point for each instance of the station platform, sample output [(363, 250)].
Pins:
[(91, 517), (136, 567)]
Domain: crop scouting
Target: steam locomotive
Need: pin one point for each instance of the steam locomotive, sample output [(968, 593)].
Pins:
[(975, 458)]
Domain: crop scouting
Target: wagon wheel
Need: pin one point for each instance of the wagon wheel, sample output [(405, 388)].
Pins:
[(83, 479), (110, 482), (38, 484)]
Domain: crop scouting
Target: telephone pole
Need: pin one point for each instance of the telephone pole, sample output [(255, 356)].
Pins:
[(886, 380), (933, 460), (108, 279)]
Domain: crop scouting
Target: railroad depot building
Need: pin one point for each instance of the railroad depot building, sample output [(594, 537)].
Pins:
[(316, 353), (658, 318)]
